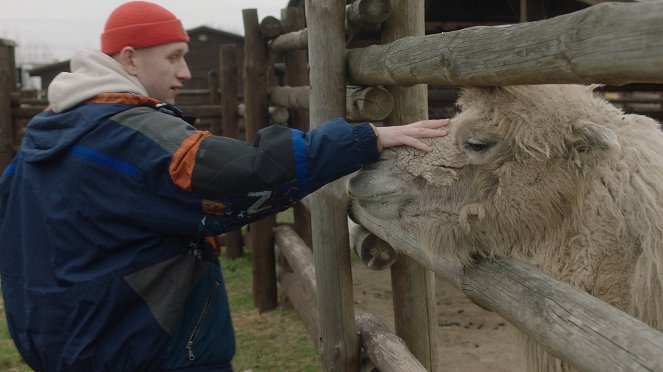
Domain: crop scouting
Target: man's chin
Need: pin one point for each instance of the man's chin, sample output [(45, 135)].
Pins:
[(170, 100)]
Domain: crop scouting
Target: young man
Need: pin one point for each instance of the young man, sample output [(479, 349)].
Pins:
[(105, 211)]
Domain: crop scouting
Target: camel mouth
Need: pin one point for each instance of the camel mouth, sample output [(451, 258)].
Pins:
[(378, 208), (371, 185)]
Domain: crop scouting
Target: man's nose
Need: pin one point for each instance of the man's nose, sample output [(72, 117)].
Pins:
[(183, 73)]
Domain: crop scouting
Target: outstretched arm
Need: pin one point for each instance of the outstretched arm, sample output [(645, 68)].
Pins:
[(411, 133)]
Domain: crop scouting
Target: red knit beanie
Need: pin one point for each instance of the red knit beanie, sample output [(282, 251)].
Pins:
[(140, 24)]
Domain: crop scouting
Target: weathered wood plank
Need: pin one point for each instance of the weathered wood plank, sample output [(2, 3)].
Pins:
[(366, 15), (368, 103), (202, 111), (360, 15), (298, 254), (305, 305), (256, 67), (361, 104), (569, 323), (611, 43), (26, 112), (413, 286), (339, 343), (386, 351), (270, 27), (294, 40), (296, 74), (228, 75), (277, 114), (290, 97), (299, 286), (373, 252)]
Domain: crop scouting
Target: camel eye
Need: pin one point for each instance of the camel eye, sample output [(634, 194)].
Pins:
[(476, 145)]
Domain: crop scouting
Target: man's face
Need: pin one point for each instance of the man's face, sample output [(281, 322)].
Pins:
[(162, 70)]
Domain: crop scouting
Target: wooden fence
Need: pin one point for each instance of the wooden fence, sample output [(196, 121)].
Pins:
[(608, 43)]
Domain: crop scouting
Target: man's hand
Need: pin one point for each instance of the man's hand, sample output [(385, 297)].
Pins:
[(409, 134)]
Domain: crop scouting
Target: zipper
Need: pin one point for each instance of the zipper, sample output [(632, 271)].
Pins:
[(201, 319)]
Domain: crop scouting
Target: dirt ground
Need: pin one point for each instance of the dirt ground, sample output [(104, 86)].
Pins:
[(470, 339)]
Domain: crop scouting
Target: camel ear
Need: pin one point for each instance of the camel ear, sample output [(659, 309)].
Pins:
[(591, 141)]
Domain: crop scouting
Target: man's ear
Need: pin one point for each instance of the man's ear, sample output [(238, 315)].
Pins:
[(127, 58)]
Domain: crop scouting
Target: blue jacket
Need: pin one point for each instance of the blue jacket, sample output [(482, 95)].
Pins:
[(104, 214)]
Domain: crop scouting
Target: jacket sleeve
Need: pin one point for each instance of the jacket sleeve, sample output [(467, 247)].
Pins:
[(245, 182)]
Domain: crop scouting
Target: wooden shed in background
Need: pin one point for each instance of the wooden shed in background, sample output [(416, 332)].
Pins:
[(204, 53)]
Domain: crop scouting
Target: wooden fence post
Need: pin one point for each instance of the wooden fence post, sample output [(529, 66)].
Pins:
[(256, 83), (296, 74), (331, 249), (214, 94), (413, 285), (7, 86), (228, 71)]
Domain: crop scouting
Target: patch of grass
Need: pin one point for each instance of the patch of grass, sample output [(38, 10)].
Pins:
[(10, 359), (273, 341), (287, 216), (237, 276)]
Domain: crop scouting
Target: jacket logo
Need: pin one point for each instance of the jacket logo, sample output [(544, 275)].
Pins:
[(213, 207), (259, 206)]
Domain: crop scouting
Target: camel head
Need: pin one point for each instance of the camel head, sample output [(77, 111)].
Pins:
[(511, 171)]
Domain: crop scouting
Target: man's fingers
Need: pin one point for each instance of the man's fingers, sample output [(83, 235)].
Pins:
[(428, 132), (410, 134), (435, 123)]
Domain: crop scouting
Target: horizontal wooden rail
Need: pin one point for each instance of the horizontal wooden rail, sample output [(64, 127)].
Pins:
[(299, 284), (386, 351), (373, 252), (26, 112), (360, 15), (290, 97), (202, 111), (569, 323), (361, 103), (277, 114), (610, 43), (295, 40)]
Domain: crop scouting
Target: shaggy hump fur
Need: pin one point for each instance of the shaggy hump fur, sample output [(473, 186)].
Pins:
[(552, 174)]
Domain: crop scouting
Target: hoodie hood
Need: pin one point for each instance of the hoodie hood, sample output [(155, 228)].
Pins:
[(92, 73), (57, 131)]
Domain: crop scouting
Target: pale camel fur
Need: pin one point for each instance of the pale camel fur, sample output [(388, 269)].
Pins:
[(551, 174)]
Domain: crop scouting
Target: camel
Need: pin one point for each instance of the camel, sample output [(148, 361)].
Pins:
[(551, 174)]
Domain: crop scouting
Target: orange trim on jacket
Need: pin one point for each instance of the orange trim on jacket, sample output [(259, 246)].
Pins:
[(184, 159), (128, 98)]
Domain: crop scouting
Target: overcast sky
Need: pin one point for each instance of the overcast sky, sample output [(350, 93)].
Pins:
[(52, 30)]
